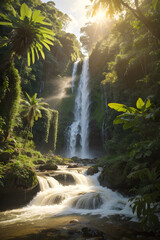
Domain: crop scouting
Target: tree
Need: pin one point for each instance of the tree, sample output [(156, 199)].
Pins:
[(32, 109), (114, 6), (144, 120), (28, 33)]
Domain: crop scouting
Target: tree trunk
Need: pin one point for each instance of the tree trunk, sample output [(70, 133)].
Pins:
[(153, 27)]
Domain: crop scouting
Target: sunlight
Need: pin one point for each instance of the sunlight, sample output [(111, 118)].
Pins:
[(100, 16)]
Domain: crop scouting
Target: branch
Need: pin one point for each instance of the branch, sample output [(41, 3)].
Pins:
[(131, 9)]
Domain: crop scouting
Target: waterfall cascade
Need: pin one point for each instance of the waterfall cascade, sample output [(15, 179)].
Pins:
[(83, 196), (78, 131)]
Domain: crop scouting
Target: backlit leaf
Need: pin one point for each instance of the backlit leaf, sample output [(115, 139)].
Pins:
[(24, 11), (139, 103)]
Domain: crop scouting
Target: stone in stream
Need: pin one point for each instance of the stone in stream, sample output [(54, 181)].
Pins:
[(48, 166), (92, 232), (92, 170)]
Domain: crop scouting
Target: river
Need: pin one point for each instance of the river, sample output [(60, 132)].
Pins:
[(70, 200)]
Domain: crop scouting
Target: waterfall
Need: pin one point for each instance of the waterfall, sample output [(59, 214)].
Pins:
[(83, 196), (78, 131), (74, 74)]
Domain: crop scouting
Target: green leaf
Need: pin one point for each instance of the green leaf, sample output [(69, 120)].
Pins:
[(6, 23), (33, 55), (47, 31), (154, 4), (118, 107), (48, 36), (46, 45), (36, 52), (48, 41), (46, 23), (23, 11), (28, 58), (139, 103), (36, 16), (5, 17), (40, 48), (148, 103)]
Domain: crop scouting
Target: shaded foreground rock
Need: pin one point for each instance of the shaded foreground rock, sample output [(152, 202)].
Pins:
[(16, 197), (92, 170), (114, 176)]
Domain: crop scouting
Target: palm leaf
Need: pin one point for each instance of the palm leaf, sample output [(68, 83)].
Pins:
[(33, 55), (6, 23), (28, 58), (46, 45)]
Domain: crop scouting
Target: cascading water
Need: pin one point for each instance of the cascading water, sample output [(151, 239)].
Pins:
[(74, 74), (78, 131), (83, 196)]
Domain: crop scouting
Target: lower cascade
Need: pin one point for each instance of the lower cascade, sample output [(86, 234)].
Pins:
[(78, 131), (83, 196)]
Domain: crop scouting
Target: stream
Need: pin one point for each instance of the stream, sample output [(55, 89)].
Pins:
[(68, 202)]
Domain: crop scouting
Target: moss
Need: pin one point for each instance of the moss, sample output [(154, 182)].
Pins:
[(10, 96), (45, 130), (18, 175)]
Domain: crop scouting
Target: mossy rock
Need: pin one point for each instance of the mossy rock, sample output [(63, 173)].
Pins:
[(48, 166), (114, 176), (92, 170)]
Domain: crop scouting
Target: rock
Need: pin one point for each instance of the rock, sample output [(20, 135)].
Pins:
[(5, 156), (91, 232), (39, 161), (65, 179), (48, 166), (73, 166), (92, 170), (114, 176), (75, 221), (75, 159)]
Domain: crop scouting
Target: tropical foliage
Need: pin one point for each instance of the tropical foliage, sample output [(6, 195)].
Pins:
[(28, 33)]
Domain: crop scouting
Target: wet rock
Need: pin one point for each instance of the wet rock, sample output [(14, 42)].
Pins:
[(75, 221), (114, 176), (92, 232), (65, 179), (73, 166), (92, 170), (48, 166)]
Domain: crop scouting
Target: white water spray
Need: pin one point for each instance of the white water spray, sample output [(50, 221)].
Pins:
[(78, 131), (74, 75), (83, 196)]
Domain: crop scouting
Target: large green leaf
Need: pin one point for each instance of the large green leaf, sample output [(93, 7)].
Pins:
[(33, 55), (148, 103), (5, 17), (118, 107), (6, 23), (46, 45), (36, 17), (48, 41), (139, 103), (28, 58)]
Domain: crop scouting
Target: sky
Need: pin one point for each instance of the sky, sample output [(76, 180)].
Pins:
[(76, 11)]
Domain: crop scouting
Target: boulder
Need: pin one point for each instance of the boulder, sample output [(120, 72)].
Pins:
[(92, 232), (65, 179), (73, 166), (48, 166), (92, 170)]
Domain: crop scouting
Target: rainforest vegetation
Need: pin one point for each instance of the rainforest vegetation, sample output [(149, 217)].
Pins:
[(124, 63)]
